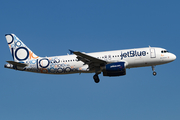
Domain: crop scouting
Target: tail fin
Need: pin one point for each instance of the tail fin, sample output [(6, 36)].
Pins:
[(20, 52)]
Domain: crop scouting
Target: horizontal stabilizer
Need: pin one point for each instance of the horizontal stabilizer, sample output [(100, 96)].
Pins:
[(17, 63)]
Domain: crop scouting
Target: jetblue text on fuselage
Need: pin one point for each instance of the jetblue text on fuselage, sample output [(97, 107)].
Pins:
[(132, 53)]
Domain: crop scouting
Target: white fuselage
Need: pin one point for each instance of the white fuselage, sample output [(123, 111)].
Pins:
[(67, 64)]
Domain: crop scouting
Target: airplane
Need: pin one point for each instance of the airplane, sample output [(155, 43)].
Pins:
[(110, 63)]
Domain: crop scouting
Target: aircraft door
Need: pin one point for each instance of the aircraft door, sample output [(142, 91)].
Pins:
[(152, 53)]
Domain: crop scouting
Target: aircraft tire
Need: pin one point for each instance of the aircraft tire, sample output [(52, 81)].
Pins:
[(154, 73), (96, 78)]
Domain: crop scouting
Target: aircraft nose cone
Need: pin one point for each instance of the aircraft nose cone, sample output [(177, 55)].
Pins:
[(173, 57)]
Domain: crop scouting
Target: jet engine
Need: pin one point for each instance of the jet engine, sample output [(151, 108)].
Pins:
[(114, 69)]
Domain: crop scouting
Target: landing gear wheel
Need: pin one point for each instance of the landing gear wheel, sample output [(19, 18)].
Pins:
[(96, 78), (154, 73)]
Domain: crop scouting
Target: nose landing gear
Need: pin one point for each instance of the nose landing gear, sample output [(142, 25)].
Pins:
[(154, 73)]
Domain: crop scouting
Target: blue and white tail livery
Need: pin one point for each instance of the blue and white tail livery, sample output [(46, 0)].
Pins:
[(20, 52), (110, 63)]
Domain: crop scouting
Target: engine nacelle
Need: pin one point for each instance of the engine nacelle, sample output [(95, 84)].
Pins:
[(115, 69)]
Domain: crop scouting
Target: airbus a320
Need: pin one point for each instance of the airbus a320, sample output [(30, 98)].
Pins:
[(110, 63)]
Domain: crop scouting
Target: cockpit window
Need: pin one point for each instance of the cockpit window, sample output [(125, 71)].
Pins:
[(164, 51)]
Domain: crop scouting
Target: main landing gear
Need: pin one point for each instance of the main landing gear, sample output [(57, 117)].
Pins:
[(96, 78), (154, 73)]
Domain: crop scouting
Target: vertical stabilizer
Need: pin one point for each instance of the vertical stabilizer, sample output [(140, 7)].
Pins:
[(20, 52)]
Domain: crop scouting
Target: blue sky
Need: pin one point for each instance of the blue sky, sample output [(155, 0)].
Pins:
[(50, 28)]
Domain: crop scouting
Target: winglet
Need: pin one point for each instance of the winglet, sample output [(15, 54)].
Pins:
[(71, 51)]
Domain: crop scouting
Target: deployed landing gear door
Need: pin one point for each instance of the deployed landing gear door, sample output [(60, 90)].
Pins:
[(152, 53)]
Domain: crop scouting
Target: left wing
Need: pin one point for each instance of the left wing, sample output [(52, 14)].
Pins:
[(90, 60)]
